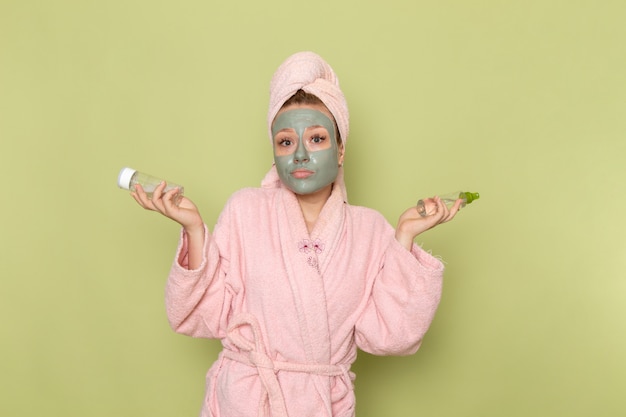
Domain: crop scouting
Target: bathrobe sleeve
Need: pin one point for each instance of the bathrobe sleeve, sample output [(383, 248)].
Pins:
[(198, 302), (401, 306)]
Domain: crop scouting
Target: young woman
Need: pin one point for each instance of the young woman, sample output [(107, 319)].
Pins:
[(293, 279)]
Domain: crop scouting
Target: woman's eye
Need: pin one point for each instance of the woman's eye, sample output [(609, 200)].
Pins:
[(285, 142), (318, 139)]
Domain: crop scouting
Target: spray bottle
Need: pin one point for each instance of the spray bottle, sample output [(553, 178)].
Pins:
[(427, 206)]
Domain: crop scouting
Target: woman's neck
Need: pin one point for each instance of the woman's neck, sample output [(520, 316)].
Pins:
[(312, 205)]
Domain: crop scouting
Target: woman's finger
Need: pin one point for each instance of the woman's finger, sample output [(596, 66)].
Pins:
[(142, 198), (442, 209), (454, 210), (157, 197), (169, 200)]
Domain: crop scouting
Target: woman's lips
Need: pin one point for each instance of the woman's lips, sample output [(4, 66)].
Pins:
[(301, 173)]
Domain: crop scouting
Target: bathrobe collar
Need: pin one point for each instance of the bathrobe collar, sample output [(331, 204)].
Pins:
[(306, 257)]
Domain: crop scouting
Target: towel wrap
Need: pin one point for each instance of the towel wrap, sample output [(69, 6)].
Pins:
[(309, 72)]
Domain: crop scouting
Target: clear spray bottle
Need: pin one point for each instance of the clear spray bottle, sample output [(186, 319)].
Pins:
[(427, 206), (128, 178)]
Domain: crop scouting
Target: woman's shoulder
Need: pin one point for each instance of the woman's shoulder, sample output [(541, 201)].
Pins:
[(250, 197), (249, 192), (367, 216)]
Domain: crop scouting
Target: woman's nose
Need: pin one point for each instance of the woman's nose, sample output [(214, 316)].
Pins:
[(301, 155)]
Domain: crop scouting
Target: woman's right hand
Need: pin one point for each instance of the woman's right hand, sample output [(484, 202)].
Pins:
[(185, 212)]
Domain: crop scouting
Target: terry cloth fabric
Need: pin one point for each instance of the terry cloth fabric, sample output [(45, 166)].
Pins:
[(307, 71), (292, 306)]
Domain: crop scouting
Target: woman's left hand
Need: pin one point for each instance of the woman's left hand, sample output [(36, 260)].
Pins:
[(411, 223)]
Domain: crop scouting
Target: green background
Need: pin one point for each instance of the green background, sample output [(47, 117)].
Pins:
[(523, 101)]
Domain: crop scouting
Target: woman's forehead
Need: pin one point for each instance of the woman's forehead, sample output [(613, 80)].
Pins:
[(302, 116), (319, 107)]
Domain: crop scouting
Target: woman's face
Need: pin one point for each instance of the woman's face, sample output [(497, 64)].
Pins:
[(306, 152)]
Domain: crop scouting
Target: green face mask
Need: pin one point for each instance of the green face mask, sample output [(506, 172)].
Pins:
[(305, 150)]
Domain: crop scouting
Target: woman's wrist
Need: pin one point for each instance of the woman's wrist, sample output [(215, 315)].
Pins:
[(195, 230), (195, 243), (404, 238)]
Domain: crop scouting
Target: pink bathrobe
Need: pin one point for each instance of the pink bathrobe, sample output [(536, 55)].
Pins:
[(291, 308)]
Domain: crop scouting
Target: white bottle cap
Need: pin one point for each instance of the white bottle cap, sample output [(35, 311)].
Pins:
[(123, 179)]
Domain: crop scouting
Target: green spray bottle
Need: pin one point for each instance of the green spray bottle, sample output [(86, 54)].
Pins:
[(426, 206)]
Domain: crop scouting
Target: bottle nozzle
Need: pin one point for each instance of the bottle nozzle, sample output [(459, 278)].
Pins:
[(471, 196)]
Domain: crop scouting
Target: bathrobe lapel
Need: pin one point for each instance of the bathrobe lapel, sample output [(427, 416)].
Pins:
[(306, 258)]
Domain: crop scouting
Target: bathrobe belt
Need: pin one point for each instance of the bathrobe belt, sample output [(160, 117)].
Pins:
[(253, 353)]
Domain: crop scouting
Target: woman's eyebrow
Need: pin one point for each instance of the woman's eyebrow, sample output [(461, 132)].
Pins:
[(286, 129)]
